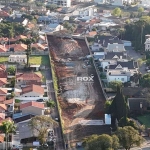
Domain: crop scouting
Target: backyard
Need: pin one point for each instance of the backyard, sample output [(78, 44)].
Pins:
[(36, 60), (145, 120)]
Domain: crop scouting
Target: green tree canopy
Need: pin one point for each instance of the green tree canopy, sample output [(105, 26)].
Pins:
[(118, 106), (101, 142), (50, 104), (145, 80), (107, 106), (41, 124), (140, 9), (148, 62), (129, 137), (117, 12), (11, 70), (115, 84)]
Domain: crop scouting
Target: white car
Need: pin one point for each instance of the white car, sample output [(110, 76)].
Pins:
[(19, 147)]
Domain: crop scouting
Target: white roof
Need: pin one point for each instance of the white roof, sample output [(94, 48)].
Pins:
[(18, 56)]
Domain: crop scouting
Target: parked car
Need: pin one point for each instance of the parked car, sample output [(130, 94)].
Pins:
[(51, 132), (40, 100), (17, 147)]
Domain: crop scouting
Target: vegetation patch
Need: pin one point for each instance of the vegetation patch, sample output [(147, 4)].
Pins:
[(39, 60), (3, 59)]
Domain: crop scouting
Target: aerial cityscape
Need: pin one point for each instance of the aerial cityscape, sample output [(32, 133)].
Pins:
[(74, 74)]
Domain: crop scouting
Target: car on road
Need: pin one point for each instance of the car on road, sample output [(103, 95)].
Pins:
[(40, 100), (17, 147), (51, 132)]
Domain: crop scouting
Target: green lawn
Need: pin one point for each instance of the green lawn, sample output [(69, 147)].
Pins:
[(145, 120), (3, 59), (39, 60)]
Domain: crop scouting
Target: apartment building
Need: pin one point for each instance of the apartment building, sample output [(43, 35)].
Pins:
[(61, 3)]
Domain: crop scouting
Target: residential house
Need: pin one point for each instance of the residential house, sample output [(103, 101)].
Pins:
[(22, 118), (2, 98), (112, 58), (38, 47), (26, 133), (121, 2), (17, 58), (100, 1), (35, 108), (121, 71), (63, 3), (7, 9), (19, 48), (28, 78), (22, 21), (3, 40), (98, 55), (138, 105), (147, 43), (3, 91), (91, 34), (3, 109), (115, 47), (4, 14), (32, 91), (53, 27), (42, 39), (144, 3), (3, 49), (3, 72), (3, 82)]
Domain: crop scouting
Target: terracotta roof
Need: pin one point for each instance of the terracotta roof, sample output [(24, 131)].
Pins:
[(7, 102), (34, 104), (1, 138), (92, 33), (3, 81), (33, 88), (29, 76), (38, 46), (2, 98), (2, 116), (7, 119), (3, 74), (3, 39), (30, 25), (4, 14), (2, 48), (2, 67), (17, 47), (3, 91), (3, 106), (21, 37)]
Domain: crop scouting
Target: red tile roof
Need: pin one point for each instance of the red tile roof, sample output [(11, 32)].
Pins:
[(3, 48), (4, 14), (33, 88), (17, 47), (3, 106), (29, 76), (38, 46), (2, 98), (3, 91), (34, 104), (3, 81), (7, 102), (92, 33)]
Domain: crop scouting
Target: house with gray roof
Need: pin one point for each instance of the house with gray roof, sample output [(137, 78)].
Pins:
[(121, 71)]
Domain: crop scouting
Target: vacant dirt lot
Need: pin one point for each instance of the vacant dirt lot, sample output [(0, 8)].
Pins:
[(79, 100)]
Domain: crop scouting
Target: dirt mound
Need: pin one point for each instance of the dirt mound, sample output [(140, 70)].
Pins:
[(69, 109)]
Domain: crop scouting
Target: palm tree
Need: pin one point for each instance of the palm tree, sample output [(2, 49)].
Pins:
[(28, 42), (7, 127), (50, 104)]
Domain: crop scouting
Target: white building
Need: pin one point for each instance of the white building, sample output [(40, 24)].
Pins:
[(53, 27), (145, 3), (62, 3), (100, 1), (121, 71), (121, 2), (147, 44), (18, 58), (115, 47)]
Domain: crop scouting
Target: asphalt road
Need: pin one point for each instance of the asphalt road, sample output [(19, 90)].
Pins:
[(51, 94)]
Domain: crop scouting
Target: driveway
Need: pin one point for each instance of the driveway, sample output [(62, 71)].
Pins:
[(135, 55)]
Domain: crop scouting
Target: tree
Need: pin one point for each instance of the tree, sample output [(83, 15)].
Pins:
[(51, 104), (129, 137), (11, 70), (140, 9), (145, 80), (7, 127), (117, 12), (115, 84), (41, 124), (52, 7), (28, 42), (148, 62), (107, 106), (101, 142), (118, 107)]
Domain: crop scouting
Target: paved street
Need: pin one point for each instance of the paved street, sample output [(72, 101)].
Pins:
[(51, 94)]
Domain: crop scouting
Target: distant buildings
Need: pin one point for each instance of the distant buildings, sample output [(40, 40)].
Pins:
[(62, 3)]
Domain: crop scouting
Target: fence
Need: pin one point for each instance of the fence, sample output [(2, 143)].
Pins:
[(97, 71)]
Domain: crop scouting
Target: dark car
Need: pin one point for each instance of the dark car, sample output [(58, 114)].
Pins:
[(40, 100)]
